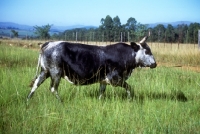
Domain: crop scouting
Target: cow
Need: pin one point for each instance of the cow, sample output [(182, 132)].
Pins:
[(82, 64)]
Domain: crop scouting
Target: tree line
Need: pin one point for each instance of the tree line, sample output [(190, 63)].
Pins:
[(111, 29)]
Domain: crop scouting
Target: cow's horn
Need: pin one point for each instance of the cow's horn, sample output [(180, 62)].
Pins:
[(144, 39)]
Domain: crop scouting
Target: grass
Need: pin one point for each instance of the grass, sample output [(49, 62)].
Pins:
[(167, 99), (184, 54)]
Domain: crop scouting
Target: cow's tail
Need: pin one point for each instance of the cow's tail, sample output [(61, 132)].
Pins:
[(38, 65), (42, 47), (36, 75)]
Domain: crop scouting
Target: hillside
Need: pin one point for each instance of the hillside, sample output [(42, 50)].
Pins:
[(54, 28), (11, 25), (174, 24), (28, 31)]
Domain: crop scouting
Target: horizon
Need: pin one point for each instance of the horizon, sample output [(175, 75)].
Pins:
[(88, 12), (55, 28), (179, 22)]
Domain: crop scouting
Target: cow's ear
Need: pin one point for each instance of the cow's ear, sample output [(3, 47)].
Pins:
[(135, 46)]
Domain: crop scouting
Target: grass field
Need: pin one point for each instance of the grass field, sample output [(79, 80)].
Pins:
[(167, 98)]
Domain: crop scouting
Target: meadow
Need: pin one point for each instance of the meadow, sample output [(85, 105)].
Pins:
[(166, 100)]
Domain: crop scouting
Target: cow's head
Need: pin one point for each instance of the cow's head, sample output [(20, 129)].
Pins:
[(144, 57)]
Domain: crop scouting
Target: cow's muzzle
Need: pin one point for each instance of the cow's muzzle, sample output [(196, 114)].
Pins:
[(153, 65)]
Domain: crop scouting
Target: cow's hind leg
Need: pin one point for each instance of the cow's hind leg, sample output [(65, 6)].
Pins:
[(102, 89), (55, 80), (38, 81), (127, 87)]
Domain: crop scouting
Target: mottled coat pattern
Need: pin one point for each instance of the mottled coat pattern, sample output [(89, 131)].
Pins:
[(82, 64)]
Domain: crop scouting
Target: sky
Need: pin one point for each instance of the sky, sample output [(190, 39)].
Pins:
[(90, 12)]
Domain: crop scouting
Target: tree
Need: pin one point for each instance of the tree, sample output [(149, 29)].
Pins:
[(141, 31), (108, 22), (102, 21), (170, 35), (112, 30), (43, 31), (116, 22), (159, 32), (116, 28), (55, 36), (193, 32), (107, 26), (131, 26), (181, 32), (15, 33)]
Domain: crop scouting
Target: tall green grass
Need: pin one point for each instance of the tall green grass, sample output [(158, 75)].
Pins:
[(166, 100)]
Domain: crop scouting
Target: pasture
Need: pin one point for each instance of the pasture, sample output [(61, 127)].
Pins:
[(167, 98)]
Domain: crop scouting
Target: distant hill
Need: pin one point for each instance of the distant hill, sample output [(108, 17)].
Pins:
[(27, 30), (174, 24), (11, 25), (63, 28)]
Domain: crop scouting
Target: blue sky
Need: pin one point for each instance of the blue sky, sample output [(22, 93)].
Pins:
[(90, 12)]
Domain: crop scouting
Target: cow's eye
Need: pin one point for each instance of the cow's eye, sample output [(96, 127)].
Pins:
[(147, 52)]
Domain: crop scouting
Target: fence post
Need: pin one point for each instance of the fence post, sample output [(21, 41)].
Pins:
[(76, 37), (199, 39), (124, 37), (128, 37), (121, 36)]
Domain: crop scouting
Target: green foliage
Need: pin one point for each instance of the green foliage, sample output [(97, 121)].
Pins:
[(170, 33), (43, 31), (159, 31), (141, 31), (193, 32), (116, 28), (131, 24), (108, 27), (132, 27), (111, 29), (15, 33)]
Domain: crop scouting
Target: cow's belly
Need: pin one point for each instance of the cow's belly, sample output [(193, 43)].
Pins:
[(83, 81)]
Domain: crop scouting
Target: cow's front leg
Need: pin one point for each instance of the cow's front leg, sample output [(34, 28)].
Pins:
[(124, 85), (115, 79), (127, 87)]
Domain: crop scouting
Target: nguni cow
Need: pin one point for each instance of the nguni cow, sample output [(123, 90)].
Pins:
[(82, 64)]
